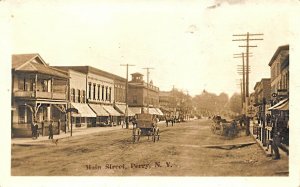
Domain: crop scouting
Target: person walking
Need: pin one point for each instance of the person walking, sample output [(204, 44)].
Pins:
[(277, 137), (50, 130), (36, 128)]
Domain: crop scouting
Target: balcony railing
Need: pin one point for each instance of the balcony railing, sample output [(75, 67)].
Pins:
[(44, 95)]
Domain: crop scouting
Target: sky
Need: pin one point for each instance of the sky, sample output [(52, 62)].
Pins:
[(188, 45)]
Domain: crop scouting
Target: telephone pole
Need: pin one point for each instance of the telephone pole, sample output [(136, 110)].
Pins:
[(247, 39), (242, 55), (126, 94), (147, 98)]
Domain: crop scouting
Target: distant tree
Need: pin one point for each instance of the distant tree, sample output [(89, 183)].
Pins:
[(210, 103), (235, 103)]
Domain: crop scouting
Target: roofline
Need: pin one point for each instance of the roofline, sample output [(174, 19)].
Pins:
[(280, 48), (90, 69)]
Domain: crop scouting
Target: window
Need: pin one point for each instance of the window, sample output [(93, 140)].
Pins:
[(22, 114), (109, 94), (106, 93), (73, 95), (98, 98), (21, 83), (79, 97), (94, 91), (134, 99), (83, 96), (90, 90), (102, 96)]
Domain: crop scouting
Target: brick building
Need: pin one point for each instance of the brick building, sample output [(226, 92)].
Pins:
[(141, 95)]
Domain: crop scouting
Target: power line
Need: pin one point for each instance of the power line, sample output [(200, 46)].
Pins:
[(247, 39), (126, 94), (148, 72)]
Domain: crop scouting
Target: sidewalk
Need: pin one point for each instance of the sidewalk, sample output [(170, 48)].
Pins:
[(264, 148), (76, 132)]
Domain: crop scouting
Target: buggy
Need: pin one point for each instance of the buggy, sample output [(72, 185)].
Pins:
[(145, 126)]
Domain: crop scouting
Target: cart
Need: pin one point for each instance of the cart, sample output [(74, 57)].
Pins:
[(145, 126)]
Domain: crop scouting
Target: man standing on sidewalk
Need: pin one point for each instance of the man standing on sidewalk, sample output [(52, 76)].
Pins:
[(50, 130), (277, 136)]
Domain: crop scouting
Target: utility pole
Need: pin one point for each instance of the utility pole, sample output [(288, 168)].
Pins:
[(247, 46), (126, 94), (240, 85), (147, 98), (242, 55)]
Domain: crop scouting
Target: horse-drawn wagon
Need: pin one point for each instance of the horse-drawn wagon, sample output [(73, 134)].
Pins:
[(224, 127), (145, 125)]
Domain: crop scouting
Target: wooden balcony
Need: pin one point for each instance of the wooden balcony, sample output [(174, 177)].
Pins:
[(38, 94)]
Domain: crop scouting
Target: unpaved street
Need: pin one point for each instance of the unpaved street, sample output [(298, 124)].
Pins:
[(181, 151)]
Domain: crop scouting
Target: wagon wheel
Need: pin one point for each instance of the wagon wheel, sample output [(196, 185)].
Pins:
[(221, 129), (133, 135), (136, 135), (139, 135), (157, 134)]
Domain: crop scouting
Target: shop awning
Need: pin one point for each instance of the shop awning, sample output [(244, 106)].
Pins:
[(136, 110), (284, 106), (152, 111), (159, 111), (281, 105), (111, 110), (83, 110), (122, 108), (99, 110)]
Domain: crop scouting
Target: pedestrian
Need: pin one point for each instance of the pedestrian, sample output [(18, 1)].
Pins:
[(50, 130), (58, 126), (32, 129), (277, 137), (36, 128)]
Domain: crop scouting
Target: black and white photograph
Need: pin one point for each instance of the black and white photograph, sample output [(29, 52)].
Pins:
[(150, 93)]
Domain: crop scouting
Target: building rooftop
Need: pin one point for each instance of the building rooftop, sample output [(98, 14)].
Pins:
[(34, 63), (279, 49)]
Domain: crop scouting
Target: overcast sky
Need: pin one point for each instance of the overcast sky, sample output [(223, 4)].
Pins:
[(188, 44)]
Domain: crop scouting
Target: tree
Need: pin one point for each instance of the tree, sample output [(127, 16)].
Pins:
[(235, 103)]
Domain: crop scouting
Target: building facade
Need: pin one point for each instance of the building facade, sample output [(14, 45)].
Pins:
[(39, 95), (100, 95), (142, 96), (279, 66)]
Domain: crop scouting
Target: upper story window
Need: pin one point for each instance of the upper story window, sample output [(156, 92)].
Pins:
[(98, 95), (134, 99), (109, 94), (79, 96), (102, 96), (73, 95), (94, 91), (90, 90), (83, 96), (106, 93)]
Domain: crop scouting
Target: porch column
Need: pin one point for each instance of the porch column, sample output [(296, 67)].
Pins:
[(25, 114), (49, 113), (35, 89)]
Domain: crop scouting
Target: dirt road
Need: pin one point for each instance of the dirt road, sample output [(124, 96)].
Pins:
[(181, 151)]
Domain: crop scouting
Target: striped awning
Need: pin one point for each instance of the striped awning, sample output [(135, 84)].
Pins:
[(122, 109), (281, 105), (136, 110), (83, 110), (159, 111), (99, 110), (110, 109)]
